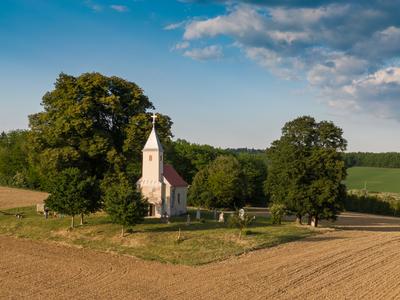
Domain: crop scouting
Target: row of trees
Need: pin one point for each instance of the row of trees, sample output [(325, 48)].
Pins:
[(306, 169), (368, 159), (85, 149)]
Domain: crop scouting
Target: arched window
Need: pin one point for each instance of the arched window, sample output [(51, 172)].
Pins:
[(150, 158)]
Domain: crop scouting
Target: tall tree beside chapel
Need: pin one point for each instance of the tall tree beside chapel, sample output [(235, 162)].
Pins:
[(96, 124), (123, 203), (307, 169), (71, 193), (219, 185)]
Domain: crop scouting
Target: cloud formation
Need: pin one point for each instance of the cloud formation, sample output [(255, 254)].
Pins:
[(93, 6), (206, 53), (348, 51), (119, 8)]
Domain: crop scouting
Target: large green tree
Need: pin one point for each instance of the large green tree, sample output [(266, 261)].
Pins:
[(220, 185), (94, 123), (72, 193), (124, 204), (255, 173), (307, 169), (189, 158)]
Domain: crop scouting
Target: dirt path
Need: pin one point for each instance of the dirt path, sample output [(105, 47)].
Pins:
[(10, 197), (361, 261)]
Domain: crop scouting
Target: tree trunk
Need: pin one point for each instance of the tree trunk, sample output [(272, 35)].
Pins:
[(314, 221), (298, 219), (122, 231), (309, 220), (81, 219), (72, 222)]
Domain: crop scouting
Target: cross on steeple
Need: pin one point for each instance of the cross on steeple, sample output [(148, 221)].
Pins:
[(154, 117)]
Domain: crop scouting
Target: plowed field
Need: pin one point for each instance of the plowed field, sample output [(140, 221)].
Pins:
[(361, 260)]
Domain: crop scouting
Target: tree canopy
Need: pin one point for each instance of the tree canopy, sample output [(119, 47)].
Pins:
[(124, 204), (91, 121), (307, 168), (189, 158), (219, 185), (72, 193), (15, 166), (96, 124)]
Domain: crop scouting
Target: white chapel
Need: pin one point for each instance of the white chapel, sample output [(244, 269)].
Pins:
[(164, 188)]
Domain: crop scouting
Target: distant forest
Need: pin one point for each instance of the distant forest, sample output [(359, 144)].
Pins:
[(352, 159), (368, 159)]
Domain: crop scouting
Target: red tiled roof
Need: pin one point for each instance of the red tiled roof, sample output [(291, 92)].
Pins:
[(173, 177)]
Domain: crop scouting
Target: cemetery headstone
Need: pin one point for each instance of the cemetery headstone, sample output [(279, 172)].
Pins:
[(221, 217), (241, 214)]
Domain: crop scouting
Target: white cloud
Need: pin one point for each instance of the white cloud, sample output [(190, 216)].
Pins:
[(174, 26), (93, 6), (207, 53), (288, 68), (181, 45), (237, 23), (119, 8), (347, 51)]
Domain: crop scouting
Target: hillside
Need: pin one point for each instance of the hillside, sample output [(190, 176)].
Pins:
[(376, 179)]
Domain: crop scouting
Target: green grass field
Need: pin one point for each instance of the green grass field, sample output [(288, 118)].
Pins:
[(153, 240), (376, 179)]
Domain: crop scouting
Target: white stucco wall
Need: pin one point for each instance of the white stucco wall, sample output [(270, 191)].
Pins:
[(175, 207), (154, 194)]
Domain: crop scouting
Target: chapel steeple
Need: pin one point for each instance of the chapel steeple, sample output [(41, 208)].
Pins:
[(153, 164), (153, 142)]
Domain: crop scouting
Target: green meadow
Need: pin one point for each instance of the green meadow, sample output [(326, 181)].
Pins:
[(375, 179)]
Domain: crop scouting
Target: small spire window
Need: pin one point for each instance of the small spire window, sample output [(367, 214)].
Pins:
[(150, 157)]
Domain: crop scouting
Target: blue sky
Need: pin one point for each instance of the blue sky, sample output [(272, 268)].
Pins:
[(228, 73)]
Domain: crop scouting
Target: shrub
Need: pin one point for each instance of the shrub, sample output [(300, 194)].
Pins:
[(240, 221), (277, 211)]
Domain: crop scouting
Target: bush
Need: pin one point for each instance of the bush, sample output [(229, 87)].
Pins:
[(277, 211), (240, 221)]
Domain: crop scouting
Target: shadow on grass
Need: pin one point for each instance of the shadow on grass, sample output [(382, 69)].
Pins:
[(199, 226)]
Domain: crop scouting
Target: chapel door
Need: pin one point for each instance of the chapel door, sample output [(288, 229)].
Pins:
[(152, 210)]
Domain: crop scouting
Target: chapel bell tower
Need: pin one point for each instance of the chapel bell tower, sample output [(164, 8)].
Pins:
[(153, 164)]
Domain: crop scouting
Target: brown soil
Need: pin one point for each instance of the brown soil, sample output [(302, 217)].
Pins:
[(10, 197), (361, 261)]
